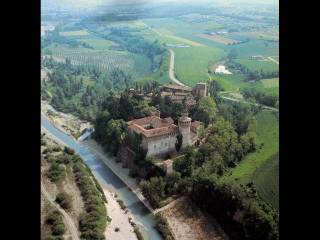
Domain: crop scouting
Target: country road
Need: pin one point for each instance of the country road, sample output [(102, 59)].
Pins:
[(256, 104), (171, 70), (70, 224), (273, 60)]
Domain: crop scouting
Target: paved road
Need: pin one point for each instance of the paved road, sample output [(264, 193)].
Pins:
[(70, 224), (171, 70)]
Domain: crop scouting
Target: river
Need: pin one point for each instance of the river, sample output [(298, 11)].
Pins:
[(108, 180)]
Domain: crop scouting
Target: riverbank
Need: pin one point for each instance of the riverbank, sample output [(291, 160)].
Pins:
[(67, 123), (122, 173), (119, 218)]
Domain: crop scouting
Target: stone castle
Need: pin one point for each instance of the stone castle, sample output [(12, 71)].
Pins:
[(159, 135)]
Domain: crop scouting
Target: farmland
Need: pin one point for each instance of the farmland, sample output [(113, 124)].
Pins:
[(219, 39), (74, 33), (270, 83), (255, 65)]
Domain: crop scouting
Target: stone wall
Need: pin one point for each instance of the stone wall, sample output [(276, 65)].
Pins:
[(161, 145)]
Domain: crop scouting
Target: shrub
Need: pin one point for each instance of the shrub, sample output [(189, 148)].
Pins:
[(58, 229), (64, 200), (56, 172), (163, 227), (122, 205), (68, 150), (54, 219), (138, 233)]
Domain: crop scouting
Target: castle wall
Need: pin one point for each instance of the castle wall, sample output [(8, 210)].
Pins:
[(159, 146)]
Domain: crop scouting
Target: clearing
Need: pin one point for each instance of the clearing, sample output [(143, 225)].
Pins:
[(187, 222)]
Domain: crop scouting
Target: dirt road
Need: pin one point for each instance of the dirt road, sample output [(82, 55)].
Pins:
[(69, 223)]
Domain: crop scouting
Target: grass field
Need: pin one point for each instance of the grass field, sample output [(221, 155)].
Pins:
[(74, 33), (266, 178), (254, 65), (98, 44), (270, 83), (192, 64), (219, 39), (268, 135)]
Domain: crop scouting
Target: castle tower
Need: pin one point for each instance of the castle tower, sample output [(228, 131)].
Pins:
[(184, 123)]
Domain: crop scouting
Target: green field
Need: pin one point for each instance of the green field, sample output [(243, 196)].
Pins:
[(74, 33), (98, 43), (254, 65), (268, 135), (270, 83), (192, 64), (266, 178)]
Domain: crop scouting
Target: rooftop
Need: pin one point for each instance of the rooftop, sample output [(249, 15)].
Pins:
[(153, 126), (176, 87)]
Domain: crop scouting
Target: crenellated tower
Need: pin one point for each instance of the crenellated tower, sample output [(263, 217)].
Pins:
[(184, 123)]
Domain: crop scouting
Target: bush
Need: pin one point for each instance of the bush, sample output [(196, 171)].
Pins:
[(56, 172), (54, 219), (163, 227), (58, 229), (64, 200), (138, 233), (122, 205), (69, 151)]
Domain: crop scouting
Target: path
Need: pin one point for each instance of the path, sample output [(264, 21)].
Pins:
[(273, 60), (171, 70), (69, 223), (166, 206)]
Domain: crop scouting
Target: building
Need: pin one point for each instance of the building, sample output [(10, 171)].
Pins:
[(200, 90), (159, 135)]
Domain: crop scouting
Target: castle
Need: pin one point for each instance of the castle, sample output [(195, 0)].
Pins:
[(159, 135)]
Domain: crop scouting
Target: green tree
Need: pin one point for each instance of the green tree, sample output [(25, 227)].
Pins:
[(178, 143), (206, 110)]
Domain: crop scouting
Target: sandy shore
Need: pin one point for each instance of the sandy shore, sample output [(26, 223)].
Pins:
[(119, 220)]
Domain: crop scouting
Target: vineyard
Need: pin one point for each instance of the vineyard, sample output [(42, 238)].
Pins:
[(100, 59)]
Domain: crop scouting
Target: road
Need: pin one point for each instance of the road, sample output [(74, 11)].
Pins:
[(70, 224), (171, 70), (273, 60), (256, 104)]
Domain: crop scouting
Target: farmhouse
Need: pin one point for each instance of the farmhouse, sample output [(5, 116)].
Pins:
[(159, 135)]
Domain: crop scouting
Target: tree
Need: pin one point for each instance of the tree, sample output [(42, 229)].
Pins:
[(178, 143), (206, 110), (233, 54)]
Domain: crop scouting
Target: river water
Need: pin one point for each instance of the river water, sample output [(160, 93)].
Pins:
[(108, 180)]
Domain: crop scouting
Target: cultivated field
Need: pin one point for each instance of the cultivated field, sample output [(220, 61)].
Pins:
[(219, 39), (256, 65), (270, 82), (74, 33)]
